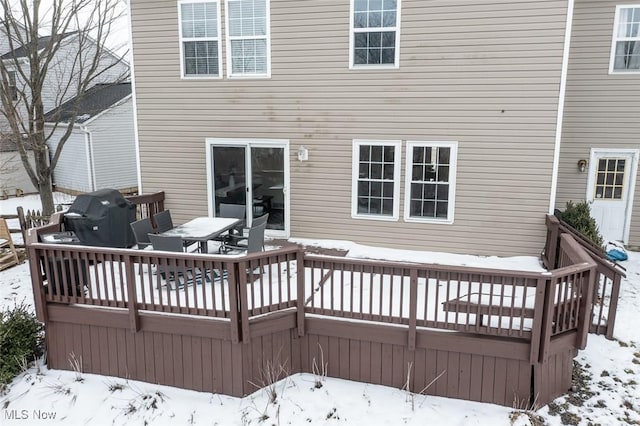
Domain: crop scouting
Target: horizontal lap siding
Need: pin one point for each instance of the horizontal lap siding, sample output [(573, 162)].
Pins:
[(485, 75), (601, 110), (114, 148), (72, 169)]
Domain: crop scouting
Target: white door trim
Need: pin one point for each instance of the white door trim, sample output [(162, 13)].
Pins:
[(260, 143), (631, 187)]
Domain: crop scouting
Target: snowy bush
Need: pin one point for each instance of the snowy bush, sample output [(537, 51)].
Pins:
[(20, 341), (578, 215)]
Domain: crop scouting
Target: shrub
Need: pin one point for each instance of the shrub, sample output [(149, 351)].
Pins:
[(578, 215), (20, 341)]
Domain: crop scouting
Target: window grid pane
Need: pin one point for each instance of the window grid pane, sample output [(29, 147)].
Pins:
[(201, 57), (199, 31), (610, 178), (376, 168), (429, 190), (626, 56), (371, 45), (248, 36)]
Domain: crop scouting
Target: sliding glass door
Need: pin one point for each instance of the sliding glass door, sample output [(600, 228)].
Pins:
[(253, 174)]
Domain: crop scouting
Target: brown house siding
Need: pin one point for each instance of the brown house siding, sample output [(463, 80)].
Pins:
[(484, 74), (601, 110)]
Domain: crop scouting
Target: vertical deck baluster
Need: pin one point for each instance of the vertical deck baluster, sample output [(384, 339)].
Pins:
[(92, 282), (456, 317), (279, 260), (361, 296), (427, 284), (341, 289)]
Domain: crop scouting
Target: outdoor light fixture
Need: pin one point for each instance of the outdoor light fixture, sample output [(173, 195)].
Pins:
[(582, 165), (303, 153)]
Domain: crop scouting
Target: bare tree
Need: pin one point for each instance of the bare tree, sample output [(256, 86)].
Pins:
[(57, 50)]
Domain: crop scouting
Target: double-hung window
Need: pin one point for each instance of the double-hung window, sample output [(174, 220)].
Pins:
[(625, 49), (430, 181), (376, 179), (375, 33), (13, 88), (248, 51), (200, 38)]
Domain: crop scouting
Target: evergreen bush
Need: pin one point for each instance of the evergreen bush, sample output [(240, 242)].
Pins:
[(20, 341), (578, 215)]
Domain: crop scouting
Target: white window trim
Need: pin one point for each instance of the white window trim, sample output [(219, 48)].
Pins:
[(181, 40), (230, 73), (396, 60), (614, 39), (397, 163), (453, 167)]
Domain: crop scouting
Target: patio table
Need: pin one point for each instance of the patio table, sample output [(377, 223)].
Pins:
[(203, 229)]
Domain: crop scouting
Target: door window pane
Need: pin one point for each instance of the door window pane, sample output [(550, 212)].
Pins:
[(610, 178)]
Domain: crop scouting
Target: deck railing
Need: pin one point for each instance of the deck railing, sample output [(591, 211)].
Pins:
[(608, 274), (529, 306)]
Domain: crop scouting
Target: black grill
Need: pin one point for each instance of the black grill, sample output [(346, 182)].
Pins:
[(102, 219)]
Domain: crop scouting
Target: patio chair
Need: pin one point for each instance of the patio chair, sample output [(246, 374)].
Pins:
[(170, 273), (239, 240), (235, 211), (163, 221), (141, 230), (8, 254), (254, 241)]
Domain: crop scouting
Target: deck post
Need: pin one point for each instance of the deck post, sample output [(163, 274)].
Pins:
[(536, 328), (413, 307), (613, 307), (547, 319), (551, 246), (241, 281), (234, 306), (586, 306), (40, 298), (300, 291), (132, 302)]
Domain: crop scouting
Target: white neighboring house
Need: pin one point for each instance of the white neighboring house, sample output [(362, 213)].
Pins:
[(60, 70), (101, 151)]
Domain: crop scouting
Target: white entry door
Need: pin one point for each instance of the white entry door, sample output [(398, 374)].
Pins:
[(612, 175)]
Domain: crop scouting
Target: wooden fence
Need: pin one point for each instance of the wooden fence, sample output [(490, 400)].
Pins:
[(608, 274), (189, 319)]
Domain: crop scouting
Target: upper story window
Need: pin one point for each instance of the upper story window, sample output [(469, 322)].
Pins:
[(248, 52), (430, 181), (375, 33), (625, 50), (200, 38), (13, 87), (376, 179)]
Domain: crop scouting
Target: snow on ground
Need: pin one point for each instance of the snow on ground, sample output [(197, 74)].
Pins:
[(607, 391)]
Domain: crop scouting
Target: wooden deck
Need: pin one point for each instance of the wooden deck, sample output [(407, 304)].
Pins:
[(486, 335)]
